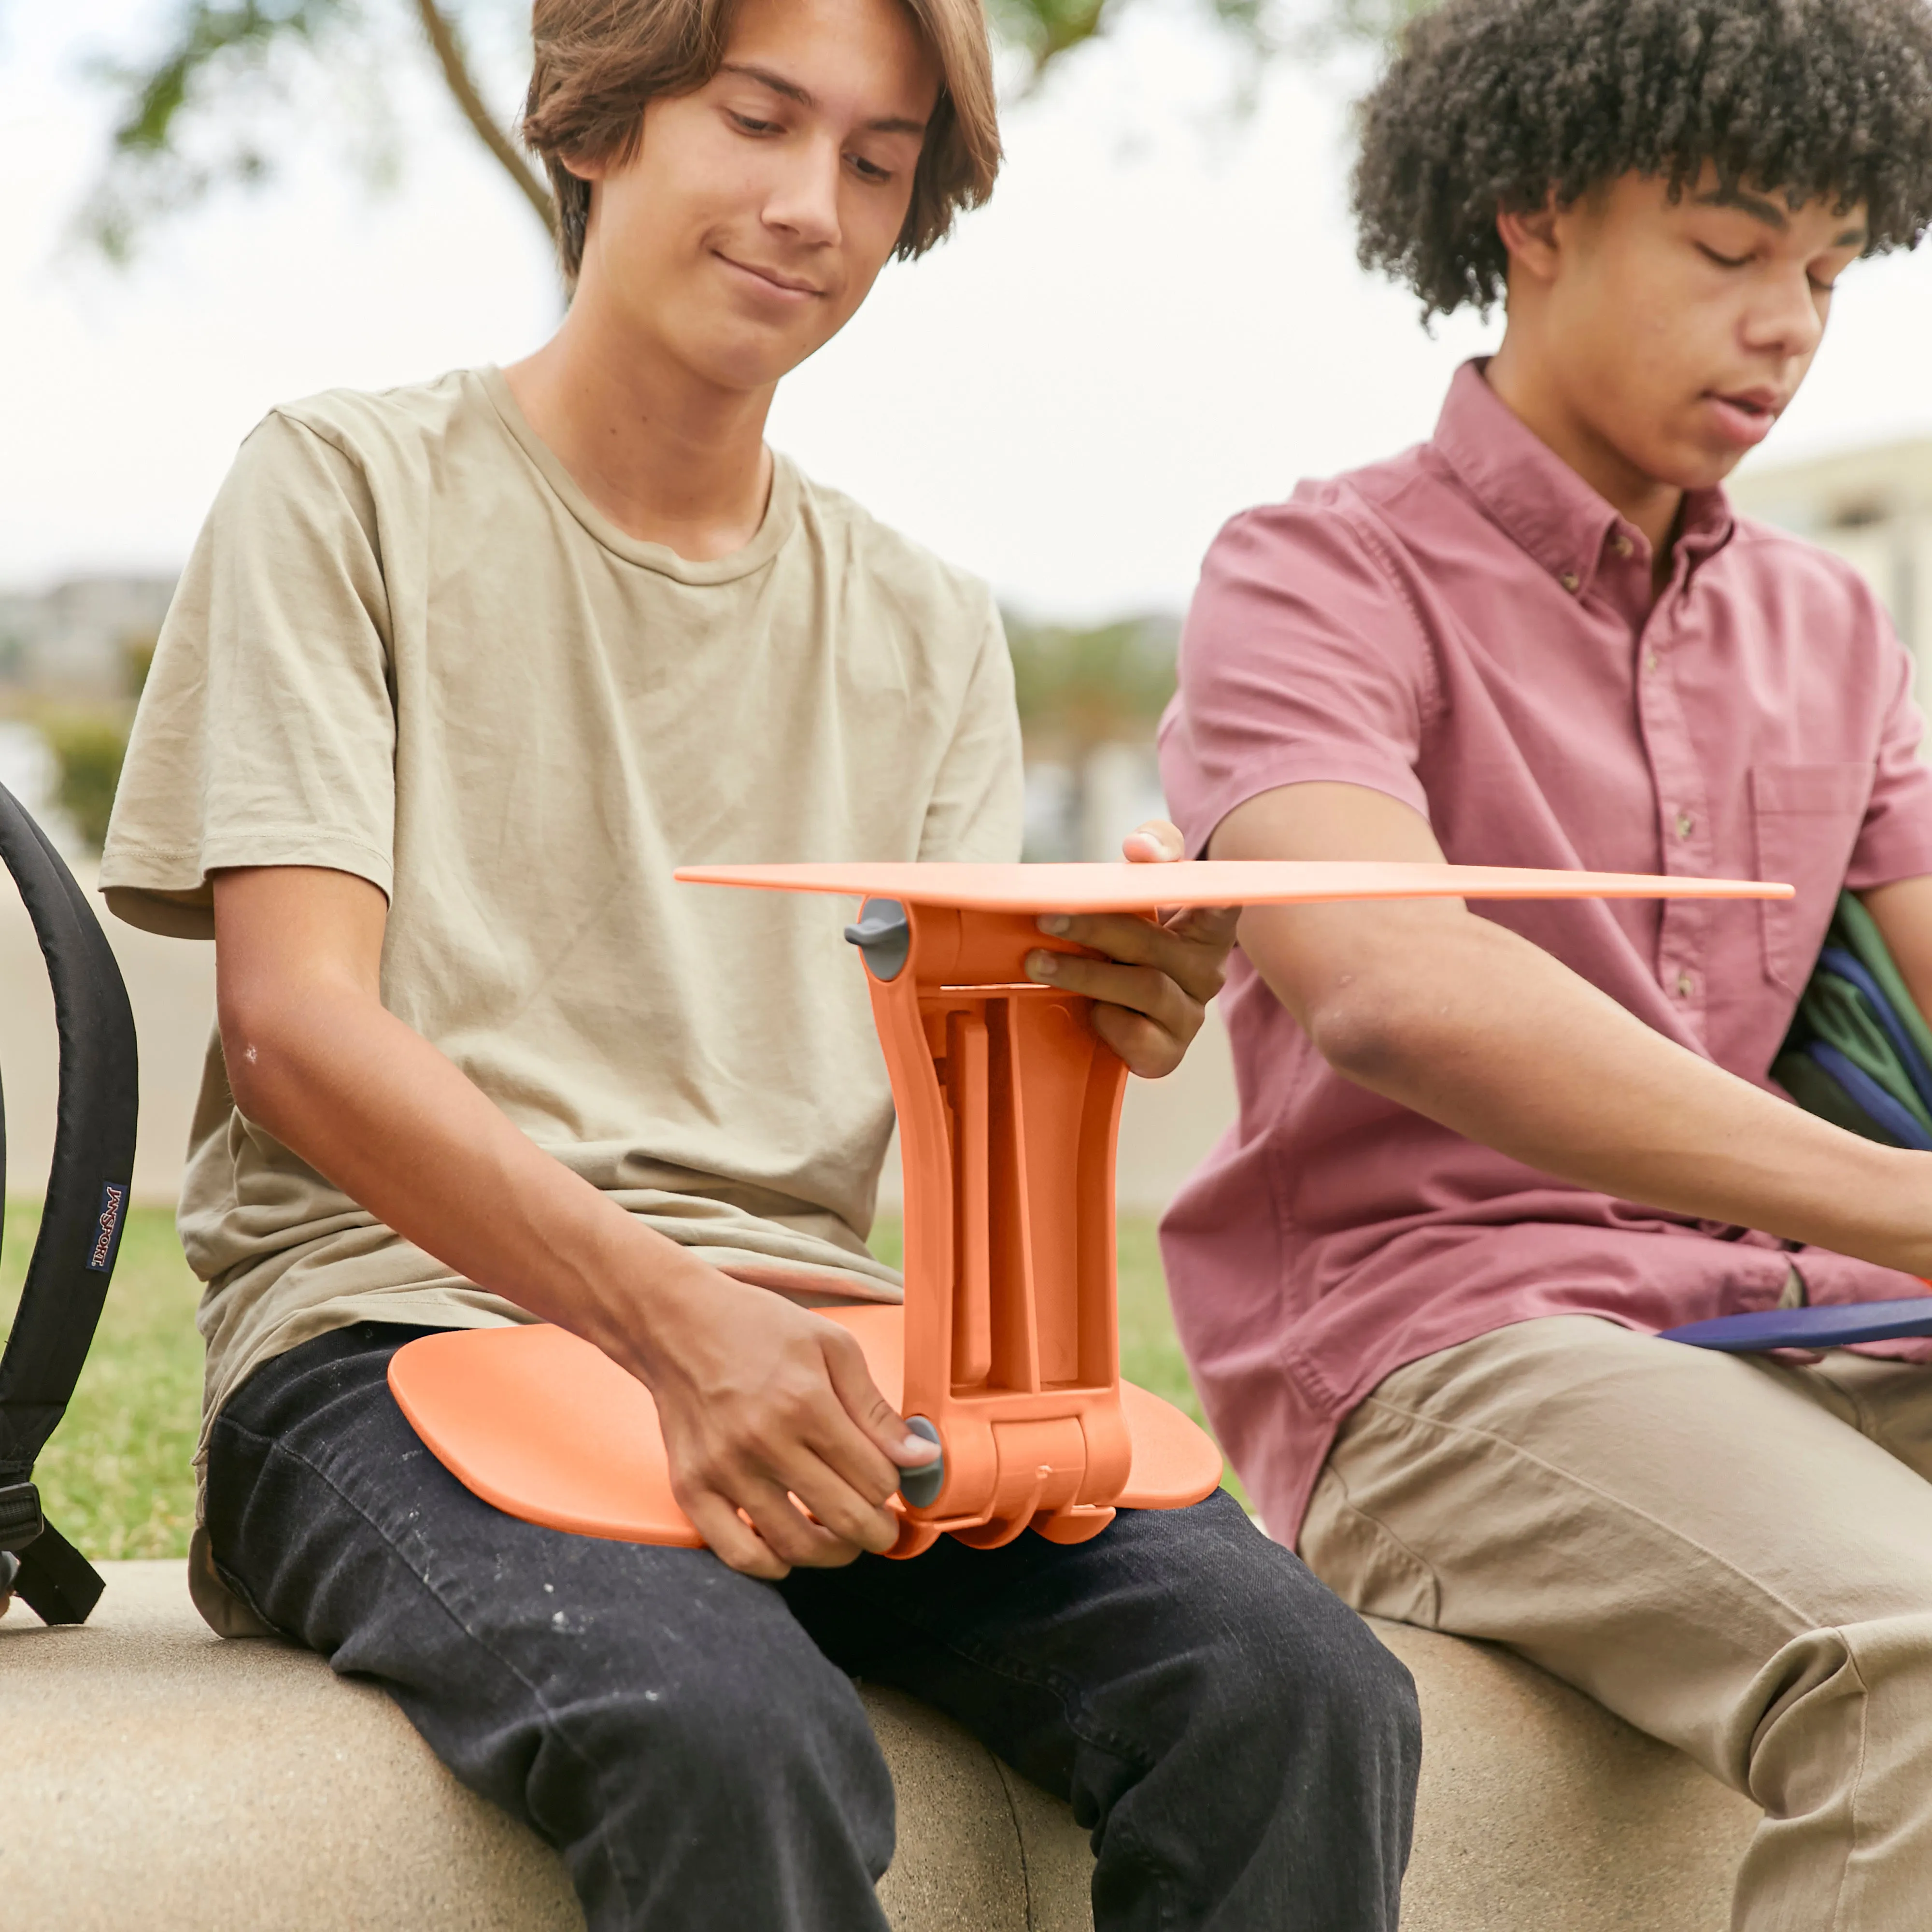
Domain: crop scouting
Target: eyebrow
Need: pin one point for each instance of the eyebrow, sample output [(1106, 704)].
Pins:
[(888, 124), (1770, 213)]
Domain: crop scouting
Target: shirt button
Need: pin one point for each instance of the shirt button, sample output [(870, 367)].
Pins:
[(1570, 581), (1622, 545), (1686, 985), (1684, 823), (1650, 661)]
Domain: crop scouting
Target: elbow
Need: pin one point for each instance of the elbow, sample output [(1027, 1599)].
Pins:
[(261, 1050), (1366, 1032)]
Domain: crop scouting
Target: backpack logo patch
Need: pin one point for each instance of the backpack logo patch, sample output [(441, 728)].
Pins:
[(107, 1234)]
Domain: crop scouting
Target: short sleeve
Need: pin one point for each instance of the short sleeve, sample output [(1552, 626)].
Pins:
[(977, 809), (265, 735), (1895, 841), (1300, 662)]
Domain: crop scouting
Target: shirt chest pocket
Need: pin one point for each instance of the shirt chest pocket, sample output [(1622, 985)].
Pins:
[(1806, 819)]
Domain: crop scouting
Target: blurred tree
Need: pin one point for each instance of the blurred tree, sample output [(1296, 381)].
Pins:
[(202, 110), (1079, 689), (88, 747), (1089, 700)]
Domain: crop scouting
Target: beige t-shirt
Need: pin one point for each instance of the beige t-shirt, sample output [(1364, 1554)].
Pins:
[(406, 646)]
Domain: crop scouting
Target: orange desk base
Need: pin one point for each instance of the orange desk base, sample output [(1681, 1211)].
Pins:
[(583, 1452), (1008, 1109)]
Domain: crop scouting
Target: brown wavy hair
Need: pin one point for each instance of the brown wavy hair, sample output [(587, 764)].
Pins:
[(598, 62)]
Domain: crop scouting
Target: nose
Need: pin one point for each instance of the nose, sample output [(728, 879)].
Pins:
[(803, 201), (1786, 319)]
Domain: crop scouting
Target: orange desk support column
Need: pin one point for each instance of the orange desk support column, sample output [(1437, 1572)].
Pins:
[(1007, 1349)]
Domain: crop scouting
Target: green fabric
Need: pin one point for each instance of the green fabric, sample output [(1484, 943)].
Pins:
[(1857, 932), (1836, 1011), (1817, 1092)]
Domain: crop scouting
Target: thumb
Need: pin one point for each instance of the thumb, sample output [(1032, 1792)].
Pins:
[(1155, 843), (858, 1395)]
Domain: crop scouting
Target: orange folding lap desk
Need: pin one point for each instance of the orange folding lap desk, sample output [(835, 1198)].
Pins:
[(1006, 1352)]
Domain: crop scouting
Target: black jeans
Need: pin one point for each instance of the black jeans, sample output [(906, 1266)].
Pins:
[(1242, 1750)]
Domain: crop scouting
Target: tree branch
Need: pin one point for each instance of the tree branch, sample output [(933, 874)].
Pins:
[(441, 32)]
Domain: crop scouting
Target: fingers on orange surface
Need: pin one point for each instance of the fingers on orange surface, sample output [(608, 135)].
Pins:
[(729, 1537), (1194, 961), (882, 1424), (791, 1534), (1139, 989), (1149, 1049)]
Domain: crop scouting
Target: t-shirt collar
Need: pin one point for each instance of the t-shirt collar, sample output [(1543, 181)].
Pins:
[(782, 507), (1537, 500)]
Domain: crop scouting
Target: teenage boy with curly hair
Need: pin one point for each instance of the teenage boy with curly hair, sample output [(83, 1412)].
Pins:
[(1482, 1157), (457, 674)]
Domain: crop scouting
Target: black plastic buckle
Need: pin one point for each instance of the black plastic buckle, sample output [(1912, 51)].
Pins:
[(21, 1521)]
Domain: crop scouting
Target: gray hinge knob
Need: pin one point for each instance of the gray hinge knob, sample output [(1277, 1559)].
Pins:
[(921, 1485), (884, 934)]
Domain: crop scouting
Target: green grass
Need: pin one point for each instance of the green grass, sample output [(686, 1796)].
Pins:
[(115, 1477)]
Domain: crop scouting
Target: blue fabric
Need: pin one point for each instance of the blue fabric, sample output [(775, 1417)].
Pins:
[(1837, 1326), (1836, 959), (1896, 1120)]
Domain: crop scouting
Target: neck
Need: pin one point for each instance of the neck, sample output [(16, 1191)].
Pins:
[(668, 457), (1525, 383)]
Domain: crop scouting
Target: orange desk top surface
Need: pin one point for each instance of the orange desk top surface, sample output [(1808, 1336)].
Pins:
[(1121, 887)]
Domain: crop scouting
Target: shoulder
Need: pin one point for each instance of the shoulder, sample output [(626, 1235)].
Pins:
[(1783, 565), (1336, 527), (372, 428), (891, 568)]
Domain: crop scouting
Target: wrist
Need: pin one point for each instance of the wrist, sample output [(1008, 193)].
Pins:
[(640, 1292)]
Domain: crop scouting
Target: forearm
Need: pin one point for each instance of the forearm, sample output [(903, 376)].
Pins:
[(368, 1102), (1466, 1022)]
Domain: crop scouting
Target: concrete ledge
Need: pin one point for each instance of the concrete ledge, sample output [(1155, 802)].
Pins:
[(156, 1777)]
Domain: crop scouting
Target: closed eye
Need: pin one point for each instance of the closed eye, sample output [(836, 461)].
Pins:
[(1722, 261), (870, 170), (746, 125)]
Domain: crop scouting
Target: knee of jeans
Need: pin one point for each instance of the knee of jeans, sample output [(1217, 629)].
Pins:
[(1323, 1673)]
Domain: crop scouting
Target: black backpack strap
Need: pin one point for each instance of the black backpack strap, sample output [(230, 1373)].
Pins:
[(80, 1224)]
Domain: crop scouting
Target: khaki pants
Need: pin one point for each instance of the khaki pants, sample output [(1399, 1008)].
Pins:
[(1733, 1554)]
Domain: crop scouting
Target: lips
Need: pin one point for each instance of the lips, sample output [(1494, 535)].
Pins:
[(1746, 416), (774, 279)]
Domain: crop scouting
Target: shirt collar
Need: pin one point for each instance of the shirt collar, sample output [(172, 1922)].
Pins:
[(1542, 504)]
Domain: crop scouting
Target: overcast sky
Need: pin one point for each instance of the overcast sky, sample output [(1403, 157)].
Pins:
[(1157, 321)]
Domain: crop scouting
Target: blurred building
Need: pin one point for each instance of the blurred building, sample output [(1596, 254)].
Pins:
[(72, 640), (1873, 507)]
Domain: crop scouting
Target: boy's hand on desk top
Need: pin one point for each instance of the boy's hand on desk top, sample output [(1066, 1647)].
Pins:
[(1152, 989), (762, 1402)]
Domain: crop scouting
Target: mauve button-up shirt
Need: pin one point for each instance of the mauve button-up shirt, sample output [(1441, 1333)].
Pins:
[(1470, 628)]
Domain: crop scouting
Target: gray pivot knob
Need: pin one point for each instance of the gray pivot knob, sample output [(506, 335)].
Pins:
[(920, 1486), (884, 934)]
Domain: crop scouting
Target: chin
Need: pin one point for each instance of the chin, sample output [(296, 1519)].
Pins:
[(729, 364)]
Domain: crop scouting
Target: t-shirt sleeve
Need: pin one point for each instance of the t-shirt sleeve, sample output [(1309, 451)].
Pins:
[(1300, 662), (978, 805), (265, 735), (1895, 842)]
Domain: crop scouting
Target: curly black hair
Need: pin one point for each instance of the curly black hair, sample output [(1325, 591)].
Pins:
[(1494, 104)]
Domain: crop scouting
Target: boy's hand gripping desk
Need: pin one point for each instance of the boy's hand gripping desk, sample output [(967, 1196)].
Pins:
[(1006, 1352)]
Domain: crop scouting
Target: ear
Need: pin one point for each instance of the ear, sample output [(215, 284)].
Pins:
[(1531, 240)]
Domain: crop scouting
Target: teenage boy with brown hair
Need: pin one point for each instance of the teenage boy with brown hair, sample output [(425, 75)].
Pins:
[(457, 675), (1482, 1159)]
